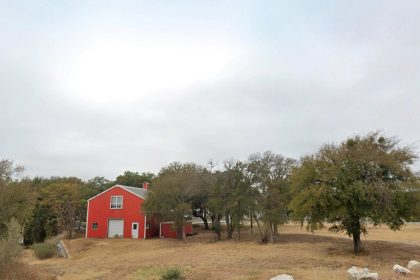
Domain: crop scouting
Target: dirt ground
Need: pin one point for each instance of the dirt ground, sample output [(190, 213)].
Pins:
[(319, 256)]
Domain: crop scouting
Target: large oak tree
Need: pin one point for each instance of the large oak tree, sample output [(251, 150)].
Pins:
[(365, 179)]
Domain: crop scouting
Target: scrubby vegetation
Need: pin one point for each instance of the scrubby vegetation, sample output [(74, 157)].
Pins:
[(44, 250), (10, 250)]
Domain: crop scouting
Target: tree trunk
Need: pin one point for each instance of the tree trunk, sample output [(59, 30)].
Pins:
[(266, 235), (206, 223), (212, 217), (357, 244), (239, 225), (203, 217), (232, 228), (250, 215), (184, 235), (69, 232), (80, 222), (217, 228), (180, 232), (356, 231), (228, 226), (275, 232), (259, 227), (271, 232)]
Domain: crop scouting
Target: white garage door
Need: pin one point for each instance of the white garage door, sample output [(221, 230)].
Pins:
[(115, 227)]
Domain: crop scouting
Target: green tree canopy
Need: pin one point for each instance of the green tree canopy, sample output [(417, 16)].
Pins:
[(234, 195), (99, 184), (170, 195), (269, 173), (66, 201), (134, 179), (365, 179)]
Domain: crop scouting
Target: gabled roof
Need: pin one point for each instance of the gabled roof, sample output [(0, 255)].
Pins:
[(140, 192)]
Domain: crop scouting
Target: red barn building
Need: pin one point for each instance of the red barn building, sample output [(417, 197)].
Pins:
[(117, 212)]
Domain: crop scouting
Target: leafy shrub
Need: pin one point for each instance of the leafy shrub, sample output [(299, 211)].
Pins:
[(172, 273), (41, 225), (44, 250)]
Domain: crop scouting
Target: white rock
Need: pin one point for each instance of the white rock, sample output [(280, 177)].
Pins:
[(371, 276), (413, 265), (402, 270), (283, 277), (358, 273)]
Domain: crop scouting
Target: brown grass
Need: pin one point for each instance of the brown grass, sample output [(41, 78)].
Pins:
[(319, 256), (20, 271)]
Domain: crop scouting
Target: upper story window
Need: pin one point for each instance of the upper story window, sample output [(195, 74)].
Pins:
[(116, 202)]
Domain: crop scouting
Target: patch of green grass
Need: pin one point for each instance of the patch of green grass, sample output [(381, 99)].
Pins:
[(44, 250), (160, 273), (172, 273)]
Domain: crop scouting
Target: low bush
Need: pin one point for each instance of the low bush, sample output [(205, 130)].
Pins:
[(173, 273), (44, 250)]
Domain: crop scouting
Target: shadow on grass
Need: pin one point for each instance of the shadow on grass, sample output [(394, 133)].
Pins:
[(375, 249)]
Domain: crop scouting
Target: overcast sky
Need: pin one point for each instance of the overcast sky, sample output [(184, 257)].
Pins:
[(93, 88)]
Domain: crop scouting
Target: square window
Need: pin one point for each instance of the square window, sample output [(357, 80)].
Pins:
[(94, 226), (116, 202)]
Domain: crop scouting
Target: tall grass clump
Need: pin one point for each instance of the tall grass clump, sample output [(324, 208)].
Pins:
[(173, 273), (44, 250), (10, 248)]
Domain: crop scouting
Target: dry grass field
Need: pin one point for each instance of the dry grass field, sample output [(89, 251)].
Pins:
[(306, 256)]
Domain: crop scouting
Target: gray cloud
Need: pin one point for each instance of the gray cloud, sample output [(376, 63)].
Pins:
[(302, 76)]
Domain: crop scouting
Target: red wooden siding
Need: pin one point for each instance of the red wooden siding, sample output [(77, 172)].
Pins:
[(167, 230), (99, 211)]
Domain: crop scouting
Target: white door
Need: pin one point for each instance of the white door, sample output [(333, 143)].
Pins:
[(115, 228), (135, 230)]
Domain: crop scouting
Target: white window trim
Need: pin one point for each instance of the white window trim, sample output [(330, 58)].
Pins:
[(122, 202)]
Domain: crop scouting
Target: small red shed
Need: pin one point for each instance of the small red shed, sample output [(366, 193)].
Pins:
[(167, 230), (117, 212)]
